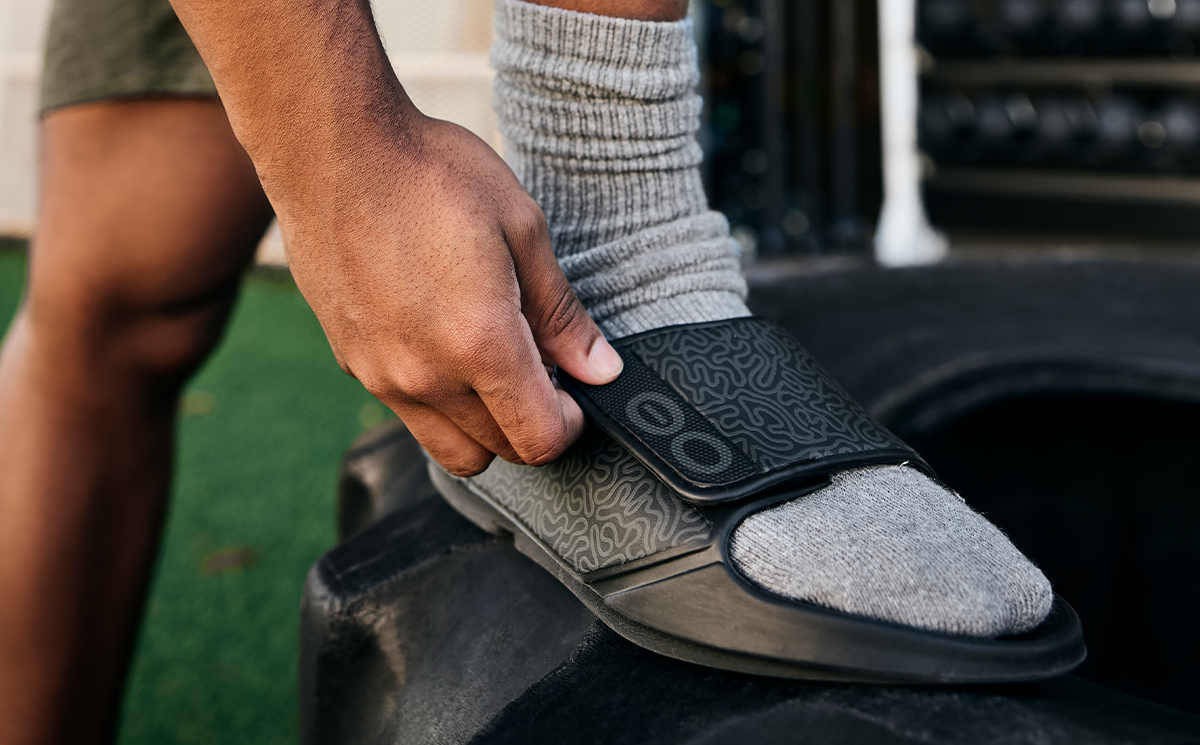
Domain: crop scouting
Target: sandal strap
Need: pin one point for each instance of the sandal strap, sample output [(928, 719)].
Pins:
[(724, 410)]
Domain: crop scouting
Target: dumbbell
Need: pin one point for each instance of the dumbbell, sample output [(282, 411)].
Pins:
[(946, 120), (1081, 19), (1022, 18), (1064, 123), (1118, 118), (945, 21), (1004, 118), (1187, 17), (1132, 18), (1180, 118)]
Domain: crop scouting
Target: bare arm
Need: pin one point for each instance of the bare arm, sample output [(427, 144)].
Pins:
[(428, 265)]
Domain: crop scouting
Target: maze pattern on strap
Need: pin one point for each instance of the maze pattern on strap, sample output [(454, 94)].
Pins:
[(724, 402)]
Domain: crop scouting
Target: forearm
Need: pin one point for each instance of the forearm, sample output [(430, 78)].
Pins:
[(307, 86)]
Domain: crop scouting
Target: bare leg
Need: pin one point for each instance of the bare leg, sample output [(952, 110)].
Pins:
[(150, 211)]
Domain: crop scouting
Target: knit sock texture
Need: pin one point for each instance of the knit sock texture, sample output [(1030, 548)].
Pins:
[(889, 543), (599, 117)]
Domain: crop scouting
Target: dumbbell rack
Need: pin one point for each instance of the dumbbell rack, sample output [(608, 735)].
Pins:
[(1037, 128)]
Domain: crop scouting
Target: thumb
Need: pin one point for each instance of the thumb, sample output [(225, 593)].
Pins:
[(565, 333)]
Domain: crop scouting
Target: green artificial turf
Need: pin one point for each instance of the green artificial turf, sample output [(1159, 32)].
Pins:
[(262, 430), (12, 277)]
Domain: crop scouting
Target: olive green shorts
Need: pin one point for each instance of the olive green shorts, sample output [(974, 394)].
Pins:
[(98, 50)]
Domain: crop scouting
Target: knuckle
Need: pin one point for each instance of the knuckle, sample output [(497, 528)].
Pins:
[(375, 385), (397, 388), (466, 466), (422, 388), (342, 363), (529, 214), (544, 448), (512, 457), (473, 341), (562, 314), (477, 349), (528, 222)]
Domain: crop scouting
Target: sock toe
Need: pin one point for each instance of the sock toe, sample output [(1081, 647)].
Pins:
[(889, 543)]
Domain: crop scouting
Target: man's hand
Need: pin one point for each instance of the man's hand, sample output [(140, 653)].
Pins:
[(428, 265), (431, 271)]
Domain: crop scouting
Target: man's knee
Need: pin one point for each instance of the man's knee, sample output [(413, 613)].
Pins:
[(101, 328), (150, 211)]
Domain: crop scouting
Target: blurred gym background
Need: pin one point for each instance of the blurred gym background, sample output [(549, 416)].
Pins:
[(1055, 121), (1063, 115), (1043, 124)]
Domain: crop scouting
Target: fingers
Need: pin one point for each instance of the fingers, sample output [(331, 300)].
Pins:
[(445, 307), (561, 327), (465, 447), (573, 419), (466, 432), (446, 402), (452, 448), (469, 413), (490, 394), (539, 420), (506, 405)]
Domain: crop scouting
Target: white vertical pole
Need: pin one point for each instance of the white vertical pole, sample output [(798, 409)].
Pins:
[(904, 236)]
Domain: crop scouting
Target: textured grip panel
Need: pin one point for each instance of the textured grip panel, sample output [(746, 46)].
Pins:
[(723, 410), (668, 424), (764, 391)]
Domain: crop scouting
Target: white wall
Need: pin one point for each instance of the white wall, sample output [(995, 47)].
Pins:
[(21, 25), (440, 52)]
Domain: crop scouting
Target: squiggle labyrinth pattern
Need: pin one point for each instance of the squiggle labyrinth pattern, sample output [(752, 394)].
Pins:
[(763, 391), (596, 506)]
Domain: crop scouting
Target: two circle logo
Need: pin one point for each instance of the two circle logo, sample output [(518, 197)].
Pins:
[(657, 414)]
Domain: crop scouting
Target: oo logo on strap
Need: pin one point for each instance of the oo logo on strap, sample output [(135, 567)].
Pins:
[(656, 414)]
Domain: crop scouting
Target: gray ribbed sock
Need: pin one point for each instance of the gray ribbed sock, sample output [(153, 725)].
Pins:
[(599, 116)]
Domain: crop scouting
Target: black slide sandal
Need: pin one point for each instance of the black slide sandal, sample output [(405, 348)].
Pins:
[(708, 423)]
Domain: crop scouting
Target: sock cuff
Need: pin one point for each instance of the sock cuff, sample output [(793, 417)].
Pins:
[(698, 305), (705, 236), (585, 53), (562, 126)]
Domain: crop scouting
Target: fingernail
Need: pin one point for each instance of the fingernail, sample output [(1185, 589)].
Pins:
[(606, 363)]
